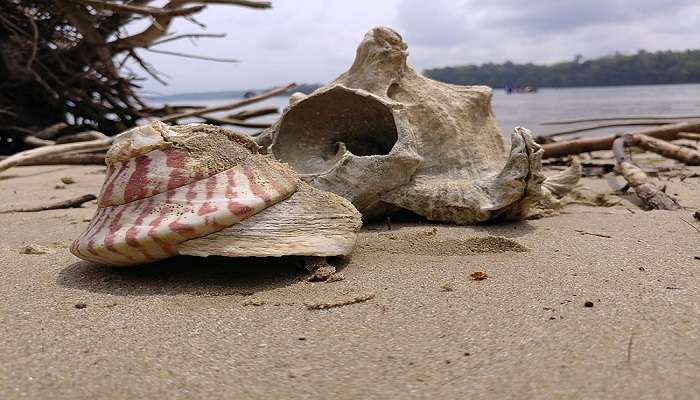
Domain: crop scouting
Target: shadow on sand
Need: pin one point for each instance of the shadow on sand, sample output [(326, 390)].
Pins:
[(406, 219), (211, 276)]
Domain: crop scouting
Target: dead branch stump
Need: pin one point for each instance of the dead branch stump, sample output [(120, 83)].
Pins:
[(651, 196)]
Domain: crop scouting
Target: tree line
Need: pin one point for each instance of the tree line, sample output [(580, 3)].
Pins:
[(642, 68)]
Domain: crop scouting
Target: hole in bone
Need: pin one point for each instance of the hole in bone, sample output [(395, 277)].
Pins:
[(393, 91), (315, 133)]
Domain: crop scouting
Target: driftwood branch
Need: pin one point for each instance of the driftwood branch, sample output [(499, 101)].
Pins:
[(666, 149), (33, 141), (143, 10), (242, 3), (602, 126), (651, 196), (247, 114), (234, 122), (72, 203), (196, 57), (67, 159), (689, 135), (41, 152), (171, 109), (188, 36), (71, 60), (228, 106), (81, 137), (51, 131), (83, 21), (625, 118), (578, 146), (161, 23)]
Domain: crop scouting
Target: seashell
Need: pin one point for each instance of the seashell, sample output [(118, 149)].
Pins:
[(167, 188), (385, 137)]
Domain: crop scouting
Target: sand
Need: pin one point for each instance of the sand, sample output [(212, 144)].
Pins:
[(565, 312)]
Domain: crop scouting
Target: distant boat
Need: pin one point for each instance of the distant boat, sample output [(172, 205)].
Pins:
[(248, 94), (521, 89)]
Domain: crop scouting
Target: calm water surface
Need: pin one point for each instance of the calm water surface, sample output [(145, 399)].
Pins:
[(531, 109)]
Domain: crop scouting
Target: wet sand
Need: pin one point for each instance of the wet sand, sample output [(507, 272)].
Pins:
[(415, 324)]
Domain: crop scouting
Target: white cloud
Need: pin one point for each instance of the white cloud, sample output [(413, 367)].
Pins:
[(315, 40), (544, 31), (300, 41)]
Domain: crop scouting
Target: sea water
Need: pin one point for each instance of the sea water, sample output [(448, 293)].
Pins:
[(530, 110)]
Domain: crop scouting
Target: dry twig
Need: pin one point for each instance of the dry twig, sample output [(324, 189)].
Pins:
[(189, 36), (51, 131), (33, 141), (625, 118), (247, 114), (234, 122), (196, 57), (81, 137), (578, 146), (689, 135), (602, 126), (76, 158), (129, 9), (593, 233), (229, 106), (691, 225), (651, 196), (72, 203), (340, 303), (664, 148), (41, 152)]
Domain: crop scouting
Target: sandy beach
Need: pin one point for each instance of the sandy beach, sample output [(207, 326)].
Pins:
[(597, 302)]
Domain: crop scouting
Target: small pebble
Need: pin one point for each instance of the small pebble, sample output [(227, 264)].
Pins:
[(34, 249), (80, 306), (479, 275), (322, 274), (447, 288), (68, 180), (59, 187), (588, 304)]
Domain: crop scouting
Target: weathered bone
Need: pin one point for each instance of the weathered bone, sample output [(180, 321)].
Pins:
[(385, 137)]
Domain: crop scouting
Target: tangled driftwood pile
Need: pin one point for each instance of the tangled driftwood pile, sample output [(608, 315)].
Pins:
[(67, 66)]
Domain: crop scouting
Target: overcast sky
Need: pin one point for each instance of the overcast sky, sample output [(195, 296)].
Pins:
[(307, 41)]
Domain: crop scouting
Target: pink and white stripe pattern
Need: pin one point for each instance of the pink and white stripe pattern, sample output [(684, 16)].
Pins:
[(152, 202), (146, 175)]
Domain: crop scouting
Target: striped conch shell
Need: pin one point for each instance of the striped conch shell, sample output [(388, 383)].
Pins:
[(167, 185)]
